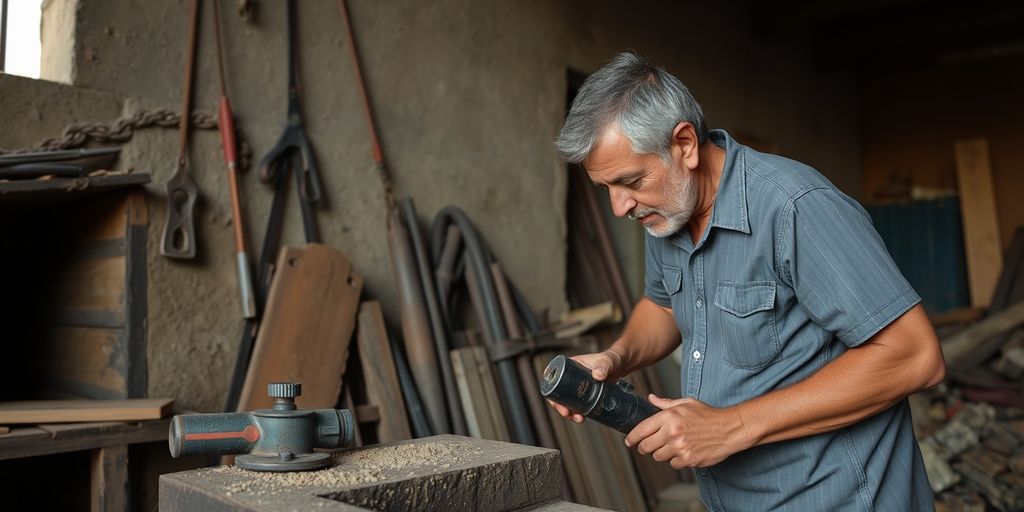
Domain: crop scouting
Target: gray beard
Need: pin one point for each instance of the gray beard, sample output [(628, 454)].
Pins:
[(681, 204)]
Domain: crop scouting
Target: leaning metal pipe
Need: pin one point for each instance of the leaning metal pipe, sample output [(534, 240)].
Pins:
[(506, 370), (527, 375), (415, 325), (418, 419), (458, 421), (445, 264)]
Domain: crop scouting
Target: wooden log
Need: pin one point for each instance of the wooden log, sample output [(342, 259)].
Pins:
[(66, 411), (381, 378), (980, 220), (956, 316), (968, 347)]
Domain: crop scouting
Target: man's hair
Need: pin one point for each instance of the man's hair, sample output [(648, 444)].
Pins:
[(646, 101)]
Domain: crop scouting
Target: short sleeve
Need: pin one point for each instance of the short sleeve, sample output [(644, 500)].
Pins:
[(654, 289), (839, 267)]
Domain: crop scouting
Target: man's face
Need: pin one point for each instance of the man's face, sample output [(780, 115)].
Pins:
[(641, 187)]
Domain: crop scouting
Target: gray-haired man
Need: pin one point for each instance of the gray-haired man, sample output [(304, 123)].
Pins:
[(801, 339)]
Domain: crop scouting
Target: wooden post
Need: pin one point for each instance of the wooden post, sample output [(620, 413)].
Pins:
[(109, 478), (981, 223)]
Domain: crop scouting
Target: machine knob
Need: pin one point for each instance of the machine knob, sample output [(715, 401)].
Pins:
[(284, 389)]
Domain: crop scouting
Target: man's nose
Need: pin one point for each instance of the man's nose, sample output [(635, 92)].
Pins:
[(622, 202)]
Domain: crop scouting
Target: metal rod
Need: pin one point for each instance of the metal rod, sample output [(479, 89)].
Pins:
[(226, 123), (378, 152), (416, 331), (458, 421), (3, 35), (479, 258)]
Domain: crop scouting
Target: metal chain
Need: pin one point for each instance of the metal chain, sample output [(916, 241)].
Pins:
[(76, 135)]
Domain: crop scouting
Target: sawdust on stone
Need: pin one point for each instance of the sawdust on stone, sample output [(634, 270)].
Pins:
[(352, 468)]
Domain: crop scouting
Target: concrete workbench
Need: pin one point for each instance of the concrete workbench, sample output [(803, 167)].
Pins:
[(447, 473)]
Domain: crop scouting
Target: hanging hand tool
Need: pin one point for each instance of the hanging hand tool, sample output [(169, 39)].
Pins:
[(294, 139), (179, 236), (281, 438), (226, 123), (274, 168), (569, 383)]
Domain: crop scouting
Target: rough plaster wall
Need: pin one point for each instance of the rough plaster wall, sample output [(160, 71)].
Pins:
[(468, 96), (41, 109), (466, 109)]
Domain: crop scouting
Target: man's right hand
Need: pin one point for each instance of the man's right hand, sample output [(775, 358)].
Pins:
[(605, 365)]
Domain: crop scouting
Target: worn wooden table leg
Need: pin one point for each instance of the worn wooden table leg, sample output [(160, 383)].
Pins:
[(110, 478)]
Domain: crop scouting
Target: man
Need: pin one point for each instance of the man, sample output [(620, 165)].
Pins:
[(801, 339)]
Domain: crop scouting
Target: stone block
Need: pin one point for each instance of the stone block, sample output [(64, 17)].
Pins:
[(444, 473)]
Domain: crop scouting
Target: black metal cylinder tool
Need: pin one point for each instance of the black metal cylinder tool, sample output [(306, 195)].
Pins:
[(569, 383), (278, 439)]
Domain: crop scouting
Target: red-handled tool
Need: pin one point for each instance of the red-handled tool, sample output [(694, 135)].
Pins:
[(227, 136)]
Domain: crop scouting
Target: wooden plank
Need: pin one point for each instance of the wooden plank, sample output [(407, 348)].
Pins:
[(109, 479), (981, 223), (1010, 288), (31, 442), (61, 411), (459, 371), (620, 461), (63, 189), (471, 390), (85, 362), (381, 378), (94, 285), (490, 390), (306, 329)]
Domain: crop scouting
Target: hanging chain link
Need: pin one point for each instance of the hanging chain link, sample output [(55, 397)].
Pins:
[(78, 134)]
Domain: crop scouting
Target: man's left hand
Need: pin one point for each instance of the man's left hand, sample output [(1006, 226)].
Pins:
[(688, 433)]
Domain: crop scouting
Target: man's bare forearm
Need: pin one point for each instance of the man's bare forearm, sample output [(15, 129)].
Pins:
[(650, 335), (902, 359)]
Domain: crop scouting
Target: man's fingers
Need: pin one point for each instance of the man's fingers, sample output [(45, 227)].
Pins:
[(564, 412), (643, 430)]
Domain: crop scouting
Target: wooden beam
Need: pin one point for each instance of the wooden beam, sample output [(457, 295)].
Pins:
[(67, 411), (981, 225), (379, 373), (970, 346), (109, 470)]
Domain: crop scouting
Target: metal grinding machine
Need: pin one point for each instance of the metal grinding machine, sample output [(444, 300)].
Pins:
[(281, 438), (569, 383)]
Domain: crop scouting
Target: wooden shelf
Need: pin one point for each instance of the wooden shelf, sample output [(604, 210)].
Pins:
[(72, 437)]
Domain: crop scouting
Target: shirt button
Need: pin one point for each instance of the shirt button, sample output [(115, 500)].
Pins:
[(700, 303), (696, 354)]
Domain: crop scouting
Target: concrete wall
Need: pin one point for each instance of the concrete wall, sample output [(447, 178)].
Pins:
[(468, 94)]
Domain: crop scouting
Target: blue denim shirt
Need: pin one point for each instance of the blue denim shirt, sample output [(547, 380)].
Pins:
[(789, 274)]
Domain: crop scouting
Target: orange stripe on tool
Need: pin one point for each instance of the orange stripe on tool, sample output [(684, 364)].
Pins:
[(250, 434)]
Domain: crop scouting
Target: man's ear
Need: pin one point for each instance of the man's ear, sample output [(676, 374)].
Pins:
[(685, 145)]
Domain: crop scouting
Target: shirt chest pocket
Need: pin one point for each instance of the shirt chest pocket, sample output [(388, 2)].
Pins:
[(744, 318)]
